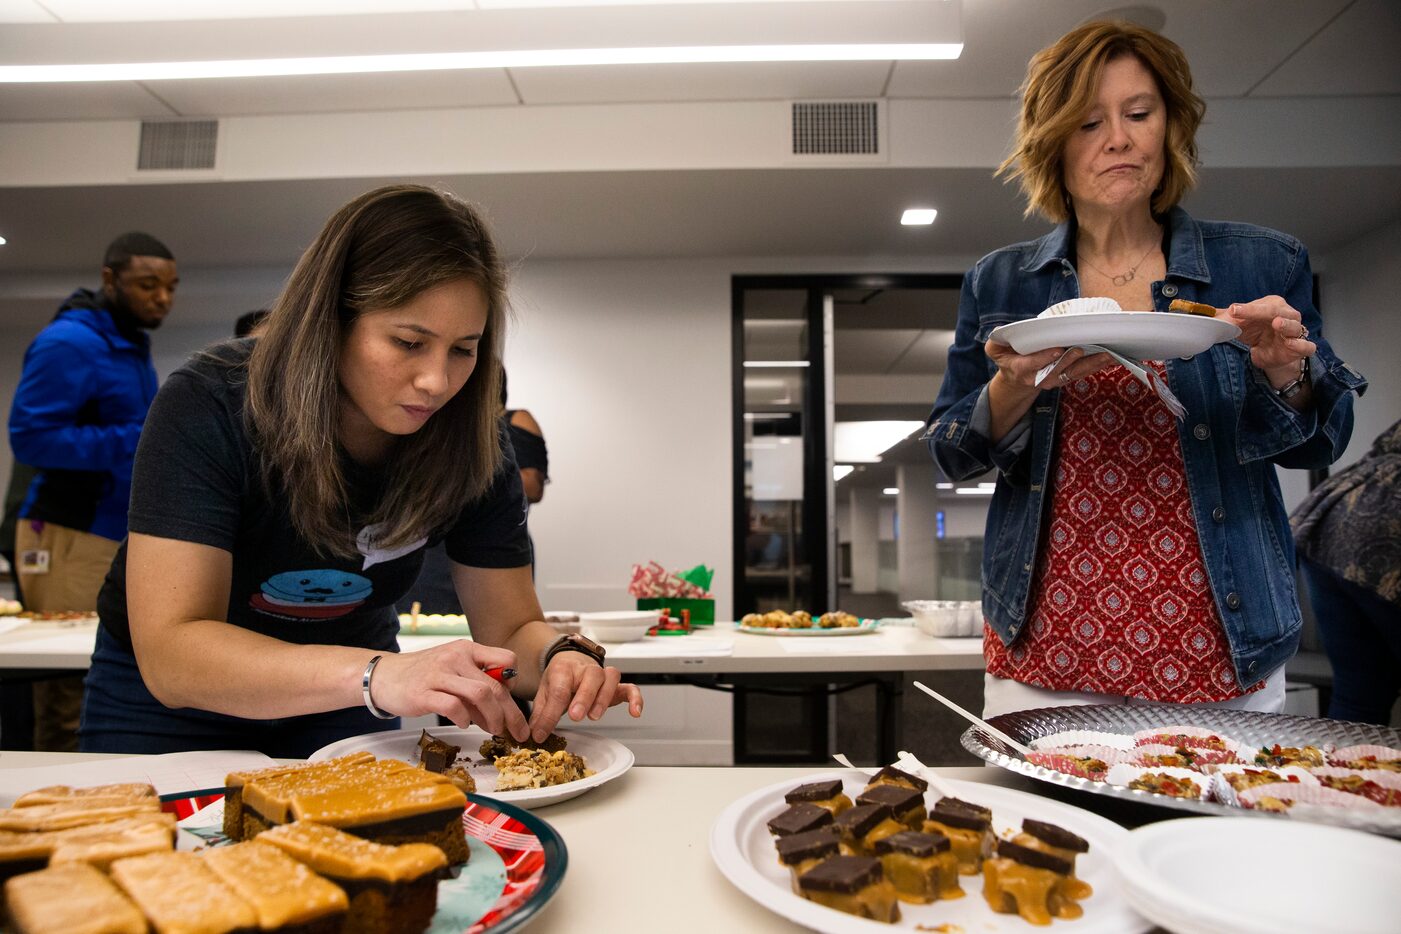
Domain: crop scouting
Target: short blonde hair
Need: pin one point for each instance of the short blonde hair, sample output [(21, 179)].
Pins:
[(1061, 83)]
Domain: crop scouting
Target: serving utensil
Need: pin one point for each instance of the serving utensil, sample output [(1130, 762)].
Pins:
[(976, 721)]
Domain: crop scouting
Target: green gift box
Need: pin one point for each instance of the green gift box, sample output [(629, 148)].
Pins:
[(702, 611)]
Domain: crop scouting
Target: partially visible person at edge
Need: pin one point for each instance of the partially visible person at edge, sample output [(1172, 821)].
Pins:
[(252, 323), (1130, 556), (83, 394), (21, 475), (294, 482), (433, 591), (1348, 534)]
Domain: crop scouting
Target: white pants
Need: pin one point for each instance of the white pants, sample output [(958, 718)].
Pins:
[(1003, 695)]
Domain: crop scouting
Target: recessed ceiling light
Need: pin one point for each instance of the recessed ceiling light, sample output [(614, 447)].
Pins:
[(776, 364), (3, 241), (918, 217), (972, 491), (891, 491), (943, 486)]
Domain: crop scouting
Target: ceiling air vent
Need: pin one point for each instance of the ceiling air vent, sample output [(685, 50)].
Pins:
[(836, 128), (177, 144)]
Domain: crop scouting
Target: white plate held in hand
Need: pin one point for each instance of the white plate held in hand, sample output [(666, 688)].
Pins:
[(1138, 335)]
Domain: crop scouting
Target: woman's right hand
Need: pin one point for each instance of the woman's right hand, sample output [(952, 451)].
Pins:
[(1014, 387), (449, 680)]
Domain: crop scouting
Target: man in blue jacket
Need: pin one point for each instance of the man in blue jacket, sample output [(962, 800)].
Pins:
[(83, 394)]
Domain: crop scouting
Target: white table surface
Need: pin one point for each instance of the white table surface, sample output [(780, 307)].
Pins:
[(890, 648), (639, 849)]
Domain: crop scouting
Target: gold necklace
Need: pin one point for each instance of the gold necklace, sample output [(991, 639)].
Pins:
[(1121, 280)]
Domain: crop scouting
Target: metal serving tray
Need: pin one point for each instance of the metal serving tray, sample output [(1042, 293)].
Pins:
[(1257, 729)]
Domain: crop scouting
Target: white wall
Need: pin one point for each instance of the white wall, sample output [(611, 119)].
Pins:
[(1362, 320)]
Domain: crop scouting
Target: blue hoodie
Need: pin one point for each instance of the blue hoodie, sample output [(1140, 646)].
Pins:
[(77, 415)]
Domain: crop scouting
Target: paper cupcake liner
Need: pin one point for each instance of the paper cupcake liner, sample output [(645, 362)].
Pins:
[(1299, 793), (1200, 759), (1223, 791), (1194, 737), (1125, 774), (1381, 786), (1067, 761), (1081, 306), (1068, 738), (1355, 756)]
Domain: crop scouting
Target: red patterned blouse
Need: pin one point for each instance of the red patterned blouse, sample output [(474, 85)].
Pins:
[(1120, 602)]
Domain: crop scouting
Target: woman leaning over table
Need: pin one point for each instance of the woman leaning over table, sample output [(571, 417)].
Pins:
[(1130, 556), (284, 491)]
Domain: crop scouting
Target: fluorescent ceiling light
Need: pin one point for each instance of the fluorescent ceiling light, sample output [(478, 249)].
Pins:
[(972, 491), (765, 416), (918, 217), (987, 485), (776, 363), (865, 442), (840, 470), (943, 486), (3, 241), (512, 37), (891, 491)]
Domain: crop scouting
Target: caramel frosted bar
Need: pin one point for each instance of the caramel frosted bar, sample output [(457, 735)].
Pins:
[(1192, 308), (234, 782), (73, 813), (392, 889), (70, 899), (123, 793), (179, 893), (282, 891)]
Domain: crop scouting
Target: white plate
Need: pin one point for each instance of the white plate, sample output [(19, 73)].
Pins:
[(1212, 875), (743, 849), (867, 625), (1138, 335), (607, 757)]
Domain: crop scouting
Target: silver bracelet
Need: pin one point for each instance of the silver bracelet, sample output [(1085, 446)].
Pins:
[(365, 690)]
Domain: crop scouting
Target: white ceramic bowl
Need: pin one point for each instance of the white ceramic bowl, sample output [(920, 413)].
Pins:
[(619, 625), (945, 618)]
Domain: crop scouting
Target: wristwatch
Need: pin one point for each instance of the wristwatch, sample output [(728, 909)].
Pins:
[(1295, 386), (573, 642)]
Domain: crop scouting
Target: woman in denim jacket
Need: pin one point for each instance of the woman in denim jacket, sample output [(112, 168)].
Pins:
[(1131, 555)]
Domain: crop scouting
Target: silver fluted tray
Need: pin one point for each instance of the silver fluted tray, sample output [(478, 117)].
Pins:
[(1257, 729)]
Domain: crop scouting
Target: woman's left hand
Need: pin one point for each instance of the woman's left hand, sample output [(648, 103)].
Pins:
[(1273, 331), (576, 682)]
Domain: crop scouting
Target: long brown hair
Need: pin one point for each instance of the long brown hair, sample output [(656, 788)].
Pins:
[(1061, 82), (379, 251)]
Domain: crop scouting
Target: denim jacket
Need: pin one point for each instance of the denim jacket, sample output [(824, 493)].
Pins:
[(1236, 430)]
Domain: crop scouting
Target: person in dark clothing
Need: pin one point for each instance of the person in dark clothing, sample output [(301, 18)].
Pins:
[(83, 395), (1348, 535), (433, 591), (283, 494), (251, 323), (21, 475)]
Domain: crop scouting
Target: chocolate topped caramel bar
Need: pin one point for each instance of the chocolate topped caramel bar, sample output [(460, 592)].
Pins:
[(1053, 835), (862, 819), (798, 818), (893, 776), (844, 874), (898, 798), (815, 791), (948, 811), (1039, 859), (812, 844), (912, 843)]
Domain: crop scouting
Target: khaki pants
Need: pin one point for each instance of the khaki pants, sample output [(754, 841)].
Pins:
[(77, 565)]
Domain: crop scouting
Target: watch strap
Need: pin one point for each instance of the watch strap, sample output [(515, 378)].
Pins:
[(572, 642)]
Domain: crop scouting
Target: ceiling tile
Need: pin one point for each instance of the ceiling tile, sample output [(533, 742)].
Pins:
[(1355, 54), (698, 82), (123, 100), (860, 350), (330, 93), (1231, 44), (928, 354)]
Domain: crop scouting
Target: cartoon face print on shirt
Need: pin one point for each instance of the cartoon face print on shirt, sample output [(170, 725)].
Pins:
[(316, 594)]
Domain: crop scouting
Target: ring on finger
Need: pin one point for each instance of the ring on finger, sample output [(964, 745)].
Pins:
[(1303, 332)]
